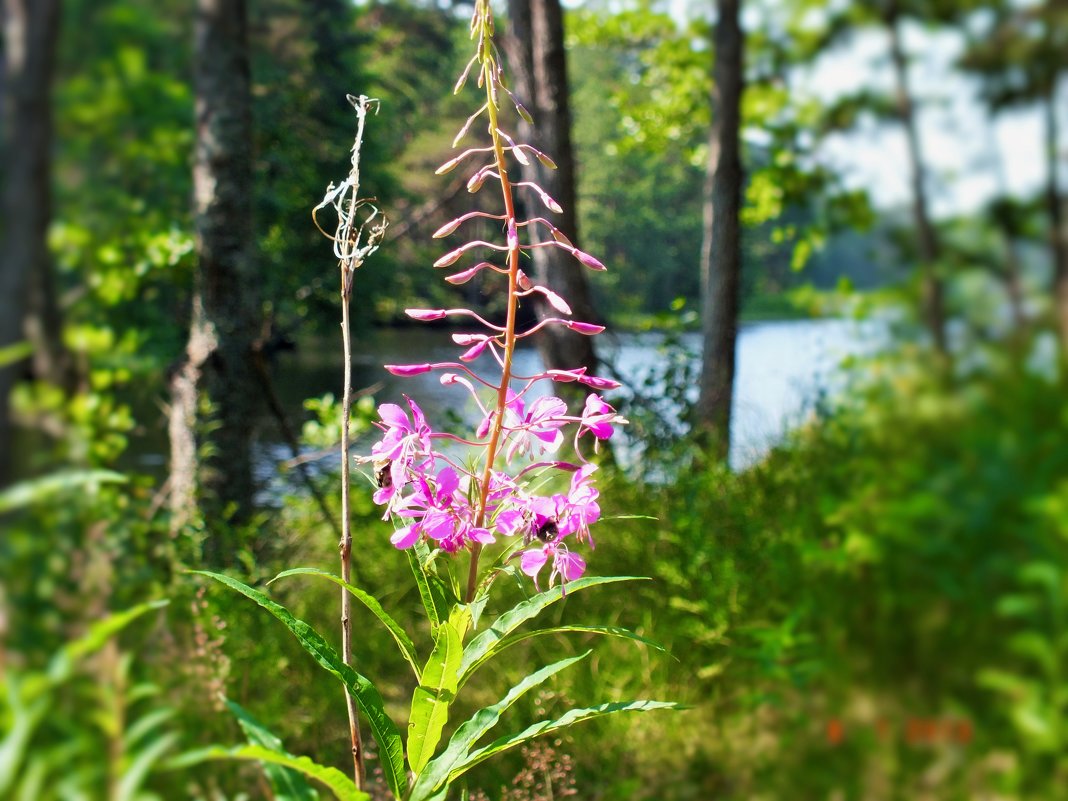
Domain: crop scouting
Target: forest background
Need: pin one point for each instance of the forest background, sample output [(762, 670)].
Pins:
[(876, 607)]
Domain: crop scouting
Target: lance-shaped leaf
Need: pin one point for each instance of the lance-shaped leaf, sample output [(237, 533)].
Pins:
[(99, 633), (569, 718), (431, 589), (139, 765), (42, 490), (332, 778), (436, 691), (287, 783), (486, 644), (473, 729), (404, 642), (391, 750)]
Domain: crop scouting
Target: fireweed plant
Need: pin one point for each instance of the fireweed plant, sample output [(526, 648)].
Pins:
[(470, 509)]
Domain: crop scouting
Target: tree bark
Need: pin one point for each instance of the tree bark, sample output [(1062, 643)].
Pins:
[(930, 251), (217, 380), (721, 258), (30, 29), (538, 64)]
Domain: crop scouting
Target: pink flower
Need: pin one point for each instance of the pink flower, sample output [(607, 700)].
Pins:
[(432, 496), (567, 566), (439, 509), (598, 417), (405, 446), (540, 425)]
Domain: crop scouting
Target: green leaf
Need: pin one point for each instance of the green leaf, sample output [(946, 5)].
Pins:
[(94, 639), (473, 729), (287, 784), (607, 631), (17, 738), (391, 750), (14, 353), (486, 644), (569, 718), (146, 725), (38, 490), (432, 596), (436, 691), (332, 778), (404, 642), (134, 776)]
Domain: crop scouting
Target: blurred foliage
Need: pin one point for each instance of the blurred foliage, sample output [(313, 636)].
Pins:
[(895, 568)]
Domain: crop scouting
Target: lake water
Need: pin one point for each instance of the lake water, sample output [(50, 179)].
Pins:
[(783, 369)]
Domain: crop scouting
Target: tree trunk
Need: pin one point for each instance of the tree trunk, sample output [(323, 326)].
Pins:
[(930, 251), (31, 29), (721, 258), (217, 380), (538, 64), (1058, 222)]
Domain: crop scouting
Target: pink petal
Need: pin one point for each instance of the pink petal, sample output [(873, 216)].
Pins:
[(533, 561), (510, 522), (393, 415), (482, 536), (570, 565), (602, 430), (405, 537), (448, 481), (439, 525), (548, 407)]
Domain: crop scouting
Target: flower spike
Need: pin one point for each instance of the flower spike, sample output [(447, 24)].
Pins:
[(507, 495)]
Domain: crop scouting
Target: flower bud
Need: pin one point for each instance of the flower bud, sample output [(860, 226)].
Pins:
[(425, 315), (522, 111), (449, 165), (598, 382), (474, 351), (550, 204), (588, 329), (464, 276), (463, 77), (474, 183), (447, 228), (555, 301), (589, 261), (449, 258), (558, 235), (566, 376), (405, 370), (546, 161)]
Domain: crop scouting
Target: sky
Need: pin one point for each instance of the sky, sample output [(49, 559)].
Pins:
[(960, 147), (955, 135)]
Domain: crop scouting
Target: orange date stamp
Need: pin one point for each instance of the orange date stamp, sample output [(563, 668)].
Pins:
[(916, 731)]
